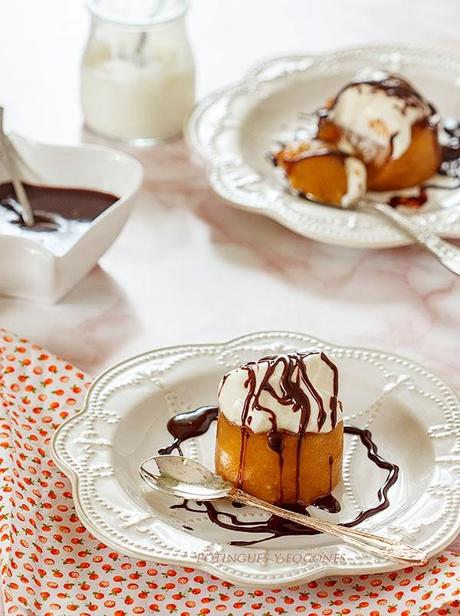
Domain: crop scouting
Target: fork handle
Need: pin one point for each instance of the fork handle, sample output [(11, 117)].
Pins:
[(447, 253), (367, 542)]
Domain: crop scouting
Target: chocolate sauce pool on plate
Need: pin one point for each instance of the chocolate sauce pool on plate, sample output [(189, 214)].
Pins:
[(62, 214), (189, 425), (197, 422)]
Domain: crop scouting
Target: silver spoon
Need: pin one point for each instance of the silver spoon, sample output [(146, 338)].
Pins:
[(188, 479), (448, 254), (10, 163)]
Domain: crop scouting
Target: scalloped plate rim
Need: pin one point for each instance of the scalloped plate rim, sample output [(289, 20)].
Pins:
[(302, 577), (192, 141)]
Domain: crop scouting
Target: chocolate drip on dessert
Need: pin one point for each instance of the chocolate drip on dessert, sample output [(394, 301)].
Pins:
[(275, 441), (250, 383), (293, 377), (189, 425), (391, 85), (275, 526), (291, 160), (311, 153), (328, 502), (334, 402)]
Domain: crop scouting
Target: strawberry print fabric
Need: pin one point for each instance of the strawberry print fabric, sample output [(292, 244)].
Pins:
[(52, 565)]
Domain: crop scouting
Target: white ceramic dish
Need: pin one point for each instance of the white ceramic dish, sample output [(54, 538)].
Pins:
[(28, 269), (232, 130), (413, 416)]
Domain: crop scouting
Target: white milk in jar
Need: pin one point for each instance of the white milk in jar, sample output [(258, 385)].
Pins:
[(137, 74)]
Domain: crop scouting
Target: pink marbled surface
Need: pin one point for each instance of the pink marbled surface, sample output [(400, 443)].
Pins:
[(187, 267)]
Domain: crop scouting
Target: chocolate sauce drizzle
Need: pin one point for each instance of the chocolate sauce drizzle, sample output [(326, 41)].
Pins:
[(197, 422), (304, 154), (294, 381), (391, 85), (189, 425)]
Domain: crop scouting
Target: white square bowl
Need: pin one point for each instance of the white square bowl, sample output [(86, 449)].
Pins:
[(29, 270)]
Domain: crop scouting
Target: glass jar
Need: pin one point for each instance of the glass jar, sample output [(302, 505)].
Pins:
[(137, 72)]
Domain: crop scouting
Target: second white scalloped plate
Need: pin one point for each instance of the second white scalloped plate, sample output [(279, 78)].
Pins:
[(413, 416), (234, 128)]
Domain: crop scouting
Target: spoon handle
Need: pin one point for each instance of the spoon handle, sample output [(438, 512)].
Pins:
[(447, 253), (10, 163), (378, 546)]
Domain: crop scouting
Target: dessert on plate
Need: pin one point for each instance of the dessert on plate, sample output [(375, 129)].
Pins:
[(280, 437), (280, 428), (380, 119), (320, 169)]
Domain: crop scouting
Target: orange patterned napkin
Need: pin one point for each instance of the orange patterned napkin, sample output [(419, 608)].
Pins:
[(52, 565)]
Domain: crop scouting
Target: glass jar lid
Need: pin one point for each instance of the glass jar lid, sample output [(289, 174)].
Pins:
[(137, 12)]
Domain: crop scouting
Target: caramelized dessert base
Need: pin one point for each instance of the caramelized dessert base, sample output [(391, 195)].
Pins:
[(315, 171), (299, 470), (419, 162)]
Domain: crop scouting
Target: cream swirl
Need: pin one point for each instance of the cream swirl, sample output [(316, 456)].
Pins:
[(296, 392), (376, 112), (356, 181)]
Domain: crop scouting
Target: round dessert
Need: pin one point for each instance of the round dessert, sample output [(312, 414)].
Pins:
[(280, 428), (380, 118), (322, 172)]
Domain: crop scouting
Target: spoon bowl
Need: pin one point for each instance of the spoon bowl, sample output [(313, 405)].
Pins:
[(184, 478)]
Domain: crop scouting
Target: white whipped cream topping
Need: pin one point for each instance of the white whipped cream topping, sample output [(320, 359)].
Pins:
[(372, 115), (356, 181), (234, 389)]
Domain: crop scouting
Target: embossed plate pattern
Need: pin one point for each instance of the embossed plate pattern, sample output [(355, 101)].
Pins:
[(233, 129), (413, 415)]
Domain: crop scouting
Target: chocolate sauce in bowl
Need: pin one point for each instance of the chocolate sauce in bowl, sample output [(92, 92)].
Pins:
[(62, 214), (195, 423)]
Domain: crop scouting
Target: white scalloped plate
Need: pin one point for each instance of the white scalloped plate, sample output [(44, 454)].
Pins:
[(234, 128), (413, 416)]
